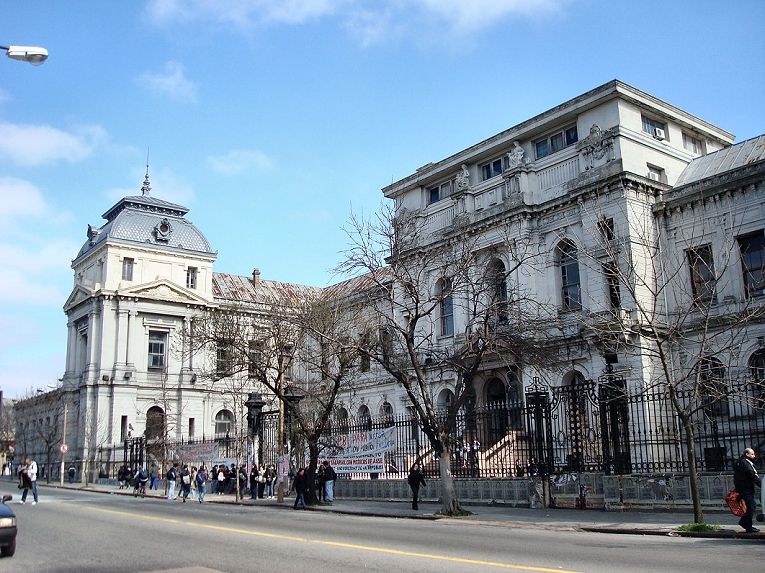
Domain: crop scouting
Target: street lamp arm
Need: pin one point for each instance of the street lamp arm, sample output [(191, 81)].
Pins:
[(32, 54)]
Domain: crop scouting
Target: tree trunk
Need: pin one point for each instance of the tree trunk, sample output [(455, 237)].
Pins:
[(450, 504), (310, 472), (690, 450)]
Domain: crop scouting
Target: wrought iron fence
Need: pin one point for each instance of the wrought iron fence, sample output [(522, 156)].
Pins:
[(598, 426)]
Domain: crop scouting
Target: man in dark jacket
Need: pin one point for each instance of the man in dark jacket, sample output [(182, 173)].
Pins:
[(744, 479), (415, 479)]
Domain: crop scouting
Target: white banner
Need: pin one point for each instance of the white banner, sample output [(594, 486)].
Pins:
[(361, 452)]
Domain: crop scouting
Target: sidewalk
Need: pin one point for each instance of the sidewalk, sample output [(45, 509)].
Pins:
[(636, 523)]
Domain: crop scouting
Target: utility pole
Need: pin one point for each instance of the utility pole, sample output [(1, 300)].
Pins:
[(280, 451)]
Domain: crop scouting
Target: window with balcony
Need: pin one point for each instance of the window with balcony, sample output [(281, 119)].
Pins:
[(752, 248), (439, 192), (493, 168), (702, 270), (157, 350), (127, 269), (556, 142)]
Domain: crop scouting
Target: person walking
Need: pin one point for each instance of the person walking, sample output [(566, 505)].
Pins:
[(154, 475), (329, 482), (185, 483), (172, 476), (72, 471), (201, 482), (415, 479), (745, 478), (28, 476), (266, 482), (299, 485)]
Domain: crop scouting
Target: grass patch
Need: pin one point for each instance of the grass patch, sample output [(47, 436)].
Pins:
[(698, 527)]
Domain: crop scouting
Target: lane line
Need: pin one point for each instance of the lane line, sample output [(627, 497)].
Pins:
[(369, 548)]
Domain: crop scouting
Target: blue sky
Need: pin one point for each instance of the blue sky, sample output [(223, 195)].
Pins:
[(273, 120)]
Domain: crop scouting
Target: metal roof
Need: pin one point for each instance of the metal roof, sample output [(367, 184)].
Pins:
[(237, 288), (726, 159)]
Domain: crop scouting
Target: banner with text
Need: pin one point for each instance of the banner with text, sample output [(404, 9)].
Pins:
[(361, 451), (203, 452)]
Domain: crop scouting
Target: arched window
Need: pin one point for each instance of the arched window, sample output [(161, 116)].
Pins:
[(495, 392), (757, 372), (712, 387), (497, 290), (445, 399), (446, 306), (568, 260), (223, 422), (155, 423), (364, 418), (386, 413)]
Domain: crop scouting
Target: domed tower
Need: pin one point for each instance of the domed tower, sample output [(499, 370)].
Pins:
[(139, 280)]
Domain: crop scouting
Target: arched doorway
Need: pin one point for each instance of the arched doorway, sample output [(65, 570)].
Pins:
[(496, 398), (155, 434)]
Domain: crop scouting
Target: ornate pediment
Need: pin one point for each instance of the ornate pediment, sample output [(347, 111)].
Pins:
[(164, 290), (79, 294)]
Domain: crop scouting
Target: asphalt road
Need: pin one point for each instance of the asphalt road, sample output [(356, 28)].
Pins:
[(72, 531)]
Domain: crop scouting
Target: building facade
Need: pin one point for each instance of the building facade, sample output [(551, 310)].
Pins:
[(639, 212)]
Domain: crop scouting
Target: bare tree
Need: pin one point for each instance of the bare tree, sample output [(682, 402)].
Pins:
[(668, 305), (441, 311), (295, 351)]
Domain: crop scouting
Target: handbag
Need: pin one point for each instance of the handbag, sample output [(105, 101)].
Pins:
[(736, 503)]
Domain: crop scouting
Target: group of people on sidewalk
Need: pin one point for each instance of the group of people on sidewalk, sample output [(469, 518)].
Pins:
[(324, 481)]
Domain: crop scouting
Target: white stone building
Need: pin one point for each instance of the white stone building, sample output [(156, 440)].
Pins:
[(606, 167)]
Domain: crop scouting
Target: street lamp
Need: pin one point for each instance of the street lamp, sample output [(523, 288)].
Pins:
[(255, 404), (32, 54)]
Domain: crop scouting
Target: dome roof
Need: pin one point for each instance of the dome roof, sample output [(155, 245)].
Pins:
[(143, 219)]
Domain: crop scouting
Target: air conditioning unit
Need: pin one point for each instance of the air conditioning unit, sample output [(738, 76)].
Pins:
[(658, 133)]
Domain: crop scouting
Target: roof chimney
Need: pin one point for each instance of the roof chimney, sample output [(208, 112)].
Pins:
[(255, 276)]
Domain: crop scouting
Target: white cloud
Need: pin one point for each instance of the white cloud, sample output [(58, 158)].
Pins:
[(239, 161), (20, 198), (371, 22), (30, 145), (171, 82)]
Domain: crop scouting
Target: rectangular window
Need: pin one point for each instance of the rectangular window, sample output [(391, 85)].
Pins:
[(492, 168), (254, 364), (556, 142), (752, 249), (157, 350), (691, 144), (611, 273), (191, 277), (191, 427), (127, 269), (656, 174), (651, 125), (703, 280), (123, 428), (439, 192), (446, 308), (224, 362), (606, 229)]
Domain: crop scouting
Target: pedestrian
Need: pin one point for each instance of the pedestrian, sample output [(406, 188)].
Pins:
[(28, 475), (319, 482), (201, 482), (154, 475), (140, 480), (415, 479), (299, 485), (744, 479), (254, 481), (266, 482), (222, 479), (214, 479), (329, 482), (72, 471), (193, 490), (185, 482), (172, 476)]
